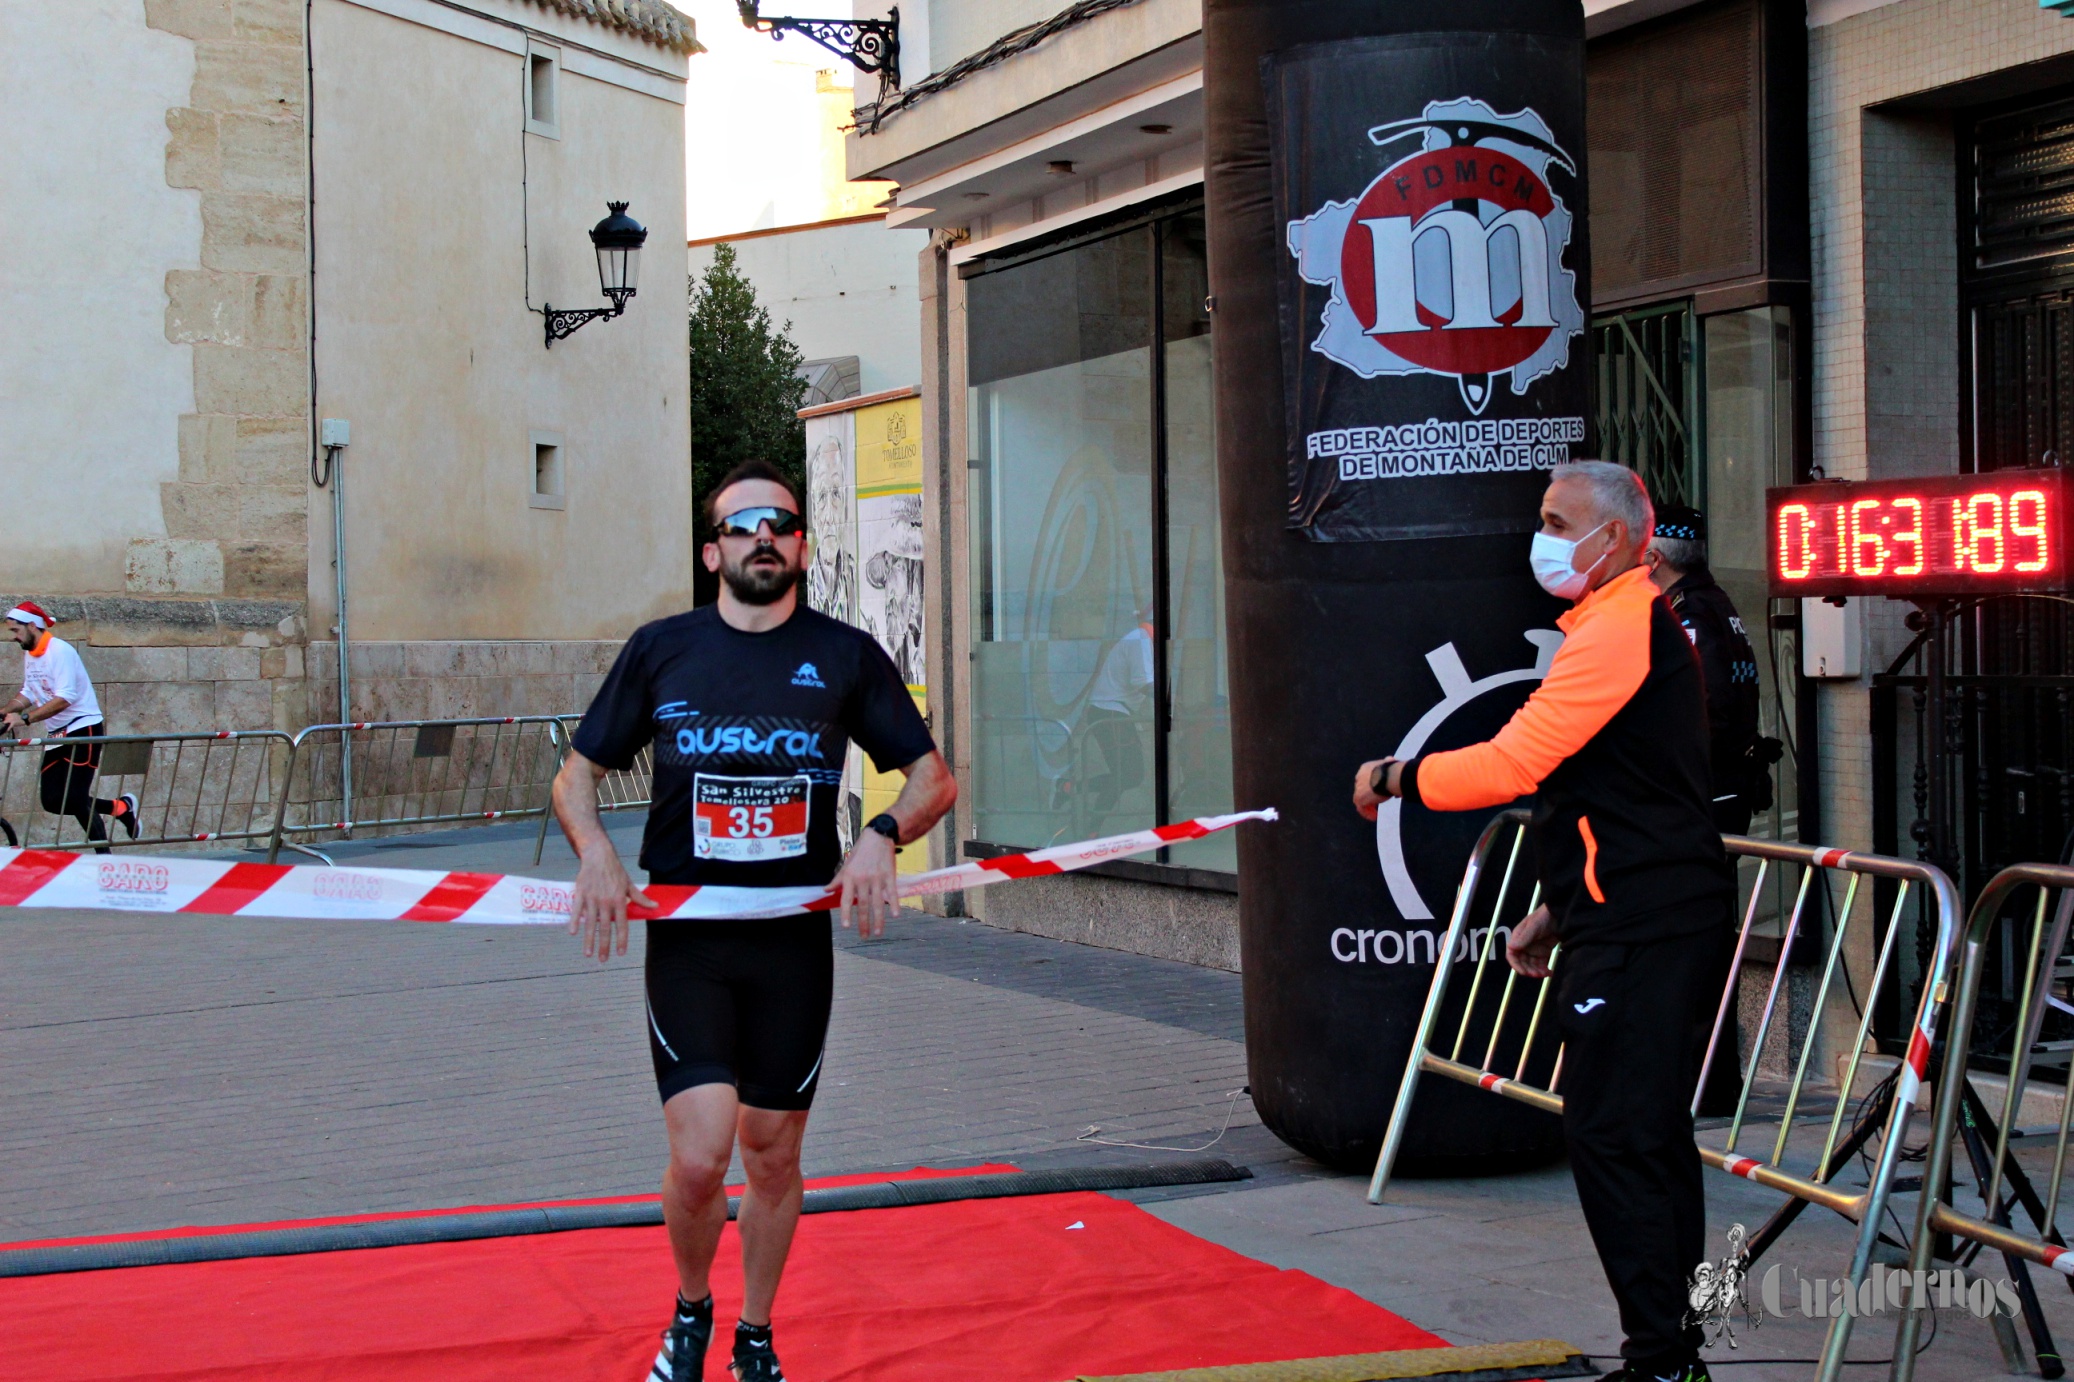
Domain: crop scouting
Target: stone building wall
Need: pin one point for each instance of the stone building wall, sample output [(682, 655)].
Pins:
[(435, 679), (177, 550), (236, 519), (161, 665), (1198, 926)]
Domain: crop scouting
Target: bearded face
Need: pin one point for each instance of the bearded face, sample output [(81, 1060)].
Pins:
[(762, 573)]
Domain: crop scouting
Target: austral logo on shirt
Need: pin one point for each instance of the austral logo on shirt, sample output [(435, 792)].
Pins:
[(807, 676), (771, 739), (1451, 261)]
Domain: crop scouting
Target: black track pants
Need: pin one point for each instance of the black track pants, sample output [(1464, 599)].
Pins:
[(1630, 1062), (67, 785)]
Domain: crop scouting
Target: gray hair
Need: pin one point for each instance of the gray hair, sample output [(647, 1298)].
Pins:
[(1681, 553), (1617, 495)]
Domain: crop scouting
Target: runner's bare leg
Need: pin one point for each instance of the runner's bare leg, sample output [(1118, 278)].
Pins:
[(770, 1209), (703, 1123)]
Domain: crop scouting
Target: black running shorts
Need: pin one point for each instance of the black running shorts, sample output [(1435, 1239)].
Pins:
[(742, 1003)]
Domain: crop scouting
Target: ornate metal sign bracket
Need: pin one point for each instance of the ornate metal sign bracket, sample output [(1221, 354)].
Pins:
[(869, 45)]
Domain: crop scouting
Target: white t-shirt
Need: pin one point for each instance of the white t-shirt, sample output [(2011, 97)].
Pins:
[(1125, 676), (57, 671)]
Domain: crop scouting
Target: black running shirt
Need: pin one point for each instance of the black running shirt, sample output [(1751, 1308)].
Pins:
[(750, 731)]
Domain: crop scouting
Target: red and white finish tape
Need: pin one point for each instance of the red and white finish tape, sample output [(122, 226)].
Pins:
[(158, 883)]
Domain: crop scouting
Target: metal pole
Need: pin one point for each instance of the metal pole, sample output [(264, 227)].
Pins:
[(1465, 897), (1162, 572), (1939, 741), (345, 713)]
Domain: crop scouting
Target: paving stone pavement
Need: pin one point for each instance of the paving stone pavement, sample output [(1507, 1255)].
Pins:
[(182, 1070), (191, 1070)]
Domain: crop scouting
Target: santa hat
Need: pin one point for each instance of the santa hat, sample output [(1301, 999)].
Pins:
[(30, 613)]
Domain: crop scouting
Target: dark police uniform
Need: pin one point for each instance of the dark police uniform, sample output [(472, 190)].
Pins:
[(1728, 667)]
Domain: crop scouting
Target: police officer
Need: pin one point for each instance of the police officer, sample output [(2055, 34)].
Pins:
[(1677, 562), (1741, 758)]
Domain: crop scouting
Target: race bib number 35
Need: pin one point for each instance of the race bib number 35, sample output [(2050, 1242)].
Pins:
[(749, 819)]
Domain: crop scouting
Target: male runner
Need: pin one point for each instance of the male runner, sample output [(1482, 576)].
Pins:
[(57, 694), (750, 705)]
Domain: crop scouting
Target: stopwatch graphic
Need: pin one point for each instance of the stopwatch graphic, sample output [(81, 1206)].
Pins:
[(1457, 691)]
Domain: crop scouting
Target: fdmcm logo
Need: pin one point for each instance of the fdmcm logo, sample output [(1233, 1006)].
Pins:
[(1451, 261)]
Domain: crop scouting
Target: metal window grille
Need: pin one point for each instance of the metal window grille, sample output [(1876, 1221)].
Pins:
[(1645, 380)]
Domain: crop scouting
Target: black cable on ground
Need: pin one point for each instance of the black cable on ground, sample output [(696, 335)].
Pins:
[(513, 1223)]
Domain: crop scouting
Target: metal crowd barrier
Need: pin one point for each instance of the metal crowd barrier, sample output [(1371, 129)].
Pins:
[(406, 774), (294, 791), (630, 789), (1962, 1115), (189, 788), (1896, 1100)]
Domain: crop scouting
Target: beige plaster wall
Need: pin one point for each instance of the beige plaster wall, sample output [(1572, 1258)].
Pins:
[(89, 382), (1078, 55), (428, 348), (960, 28)]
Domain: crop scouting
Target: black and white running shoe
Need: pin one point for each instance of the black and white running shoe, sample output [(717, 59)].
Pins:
[(755, 1359), (129, 812), (683, 1356)]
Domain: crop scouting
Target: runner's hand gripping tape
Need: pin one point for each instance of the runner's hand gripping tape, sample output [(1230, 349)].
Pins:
[(158, 883)]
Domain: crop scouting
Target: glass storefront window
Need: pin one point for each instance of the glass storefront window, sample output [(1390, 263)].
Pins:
[(1199, 738), (1084, 606), (1749, 446)]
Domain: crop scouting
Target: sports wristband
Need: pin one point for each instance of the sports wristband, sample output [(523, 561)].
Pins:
[(885, 825)]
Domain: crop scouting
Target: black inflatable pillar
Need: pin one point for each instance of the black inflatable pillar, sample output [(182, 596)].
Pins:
[(1399, 275)]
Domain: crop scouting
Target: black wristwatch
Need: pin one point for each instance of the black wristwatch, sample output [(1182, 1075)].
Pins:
[(885, 825), (1379, 780)]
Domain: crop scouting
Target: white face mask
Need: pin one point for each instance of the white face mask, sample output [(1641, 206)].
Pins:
[(1552, 558)]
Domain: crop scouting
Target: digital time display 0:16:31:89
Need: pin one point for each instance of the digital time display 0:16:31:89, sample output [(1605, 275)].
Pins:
[(1947, 535)]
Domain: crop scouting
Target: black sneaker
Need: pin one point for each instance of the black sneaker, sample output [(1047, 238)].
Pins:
[(129, 813), (755, 1359), (683, 1356)]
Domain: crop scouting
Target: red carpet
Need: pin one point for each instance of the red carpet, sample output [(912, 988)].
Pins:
[(1001, 1290)]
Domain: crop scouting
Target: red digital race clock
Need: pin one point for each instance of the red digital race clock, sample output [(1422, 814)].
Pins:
[(2004, 531)]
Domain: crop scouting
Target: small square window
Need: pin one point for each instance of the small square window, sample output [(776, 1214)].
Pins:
[(550, 481), (544, 92)]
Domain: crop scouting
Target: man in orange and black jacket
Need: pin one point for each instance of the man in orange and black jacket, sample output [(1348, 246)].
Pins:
[(1613, 748)]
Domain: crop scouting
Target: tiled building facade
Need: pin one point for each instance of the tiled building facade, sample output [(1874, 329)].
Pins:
[(1889, 88)]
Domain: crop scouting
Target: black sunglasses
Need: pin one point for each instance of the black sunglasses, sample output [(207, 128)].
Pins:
[(745, 522)]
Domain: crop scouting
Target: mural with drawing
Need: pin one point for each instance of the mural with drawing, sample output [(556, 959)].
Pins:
[(864, 508)]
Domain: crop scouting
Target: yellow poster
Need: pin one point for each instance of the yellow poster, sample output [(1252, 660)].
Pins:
[(889, 448)]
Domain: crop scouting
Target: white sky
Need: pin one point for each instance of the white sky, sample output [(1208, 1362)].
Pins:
[(755, 147)]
